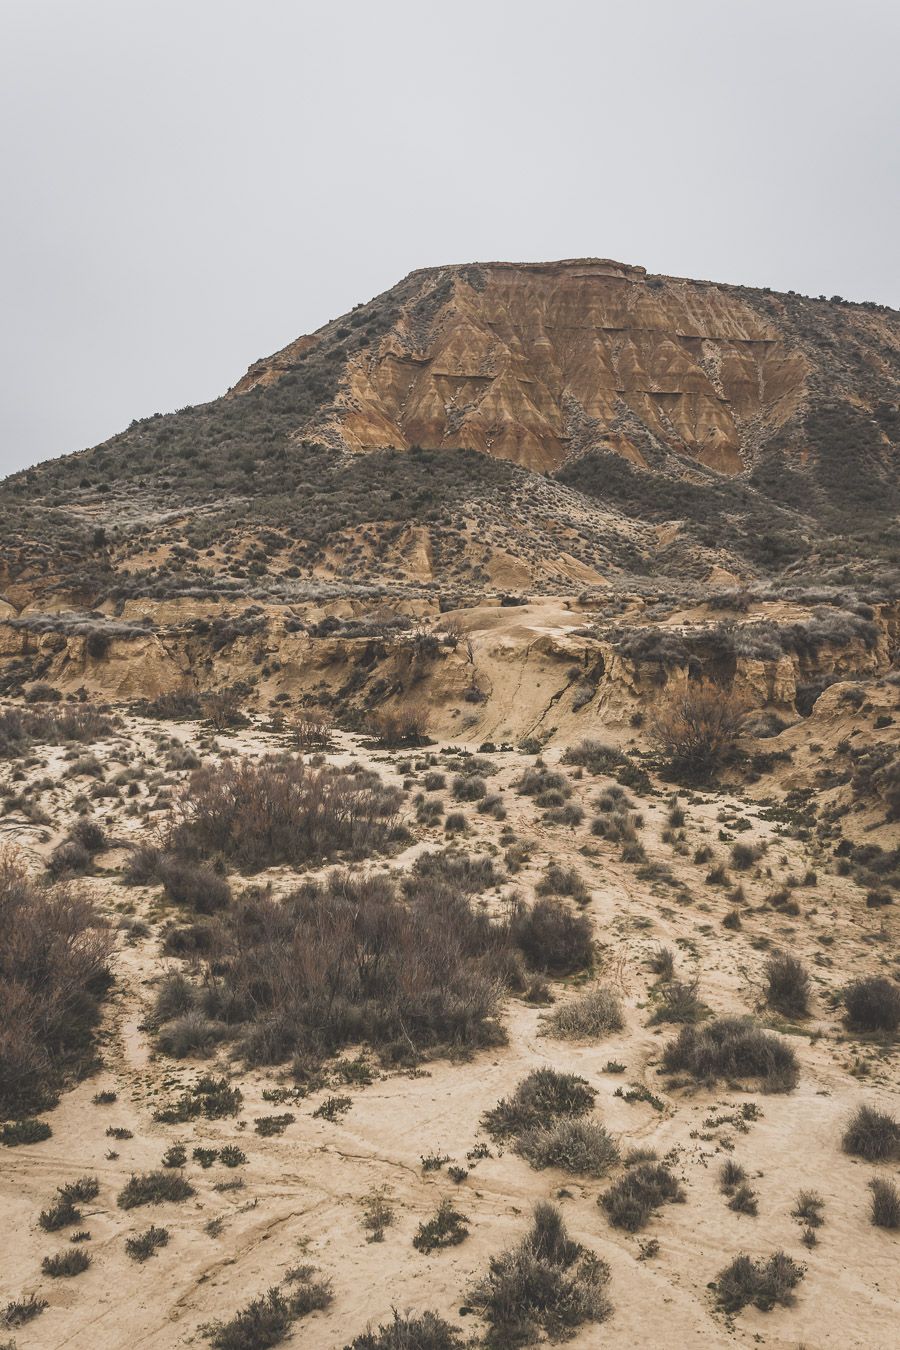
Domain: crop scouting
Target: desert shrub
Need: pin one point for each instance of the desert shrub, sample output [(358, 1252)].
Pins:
[(232, 1156), (175, 997), (143, 1245), (543, 1096), (873, 1135), (53, 975), (66, 1264), (730, 1047), (591, 1015), (194, 885), (808, 1209), (662, 962), (552, 938), (89, 834), (410, 1332), (282, 810), (213, 1098), (697, 731), (191, 1034), (18, 1312), (547, 1284), (538, 781), (396, 727), (450, 868), (677, 1001), (456, 823), (14, 1133), (873, 1004), (153, 1188), (142, 866), (446, 1228), (744, 1201), (787, 984), (885, 1205), (21, 728), (631, 1200), (269, 1126), (469, 788), (434, 781), (762, 1283), (267, 1320), (559, 880), (731, 1175), (347, 960), (584, 1147)]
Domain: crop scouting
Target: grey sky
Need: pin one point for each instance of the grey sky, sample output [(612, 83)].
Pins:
[(189, 184)]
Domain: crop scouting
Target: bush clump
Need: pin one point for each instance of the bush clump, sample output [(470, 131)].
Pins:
[(144, 1245), (873, 1135), (14, 1133), (552, 938), (66, 1264), (631, 1200), (267, 1320), (885, 1205), (583, 1147), (284, 811), (697, 732), (762, 1283), (591, 1015), (731, 1047), (153, 1188), (547, 1284), (446, 1228), (541, 1098), (54, 973), (410, 1332), (873, 1004), (787, 984)]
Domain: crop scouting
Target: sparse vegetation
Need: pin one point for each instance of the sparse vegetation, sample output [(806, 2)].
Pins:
[(730, 1047), (762, 1283), (590, 1015), (630, 1201)]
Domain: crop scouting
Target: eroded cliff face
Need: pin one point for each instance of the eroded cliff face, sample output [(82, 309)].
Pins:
[(535, 362)]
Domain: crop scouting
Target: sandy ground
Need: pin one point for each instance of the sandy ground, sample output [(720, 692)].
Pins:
[(301, 1201)]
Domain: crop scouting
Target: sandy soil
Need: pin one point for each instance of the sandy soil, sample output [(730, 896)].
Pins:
[(301, 1201)]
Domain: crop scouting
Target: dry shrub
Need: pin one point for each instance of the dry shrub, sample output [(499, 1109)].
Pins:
[(631, 1200), (552, 938), (280, 810), (873, 1135), (21, 728), (406, 725), (787, 984), (409, 1332), (885, 1208), (53, 974), (592, 1014), (763, 1283), (873, 1004), (730, 1047), (267, 1320), (548, 1283), (584, 1147), (347, 960), (697, 731), (543, 1097)]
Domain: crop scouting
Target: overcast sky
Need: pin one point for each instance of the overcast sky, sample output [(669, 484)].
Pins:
[(189, 184)]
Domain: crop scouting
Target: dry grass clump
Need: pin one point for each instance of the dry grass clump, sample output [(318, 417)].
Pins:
[(410, 1332), (697, 731), (54, 973), (153, 1188), (398, 727), (677, 1001), (281, 810), (885, 1206), (873, 1135), (267, 1320), (547, 1284), (732, 1048), (542, 1097), (141, 1247), (762, 1283), (873, 1004), (347, 960), (591, 1015), (65, 1264), (787, 984), (583, 1147), (630, 1201), (446, 1228), (20, 728)]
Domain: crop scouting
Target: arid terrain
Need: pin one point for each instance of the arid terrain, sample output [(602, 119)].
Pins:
[(457, 772)]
